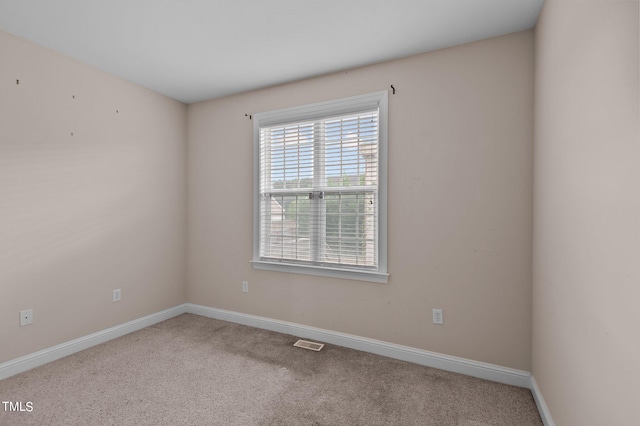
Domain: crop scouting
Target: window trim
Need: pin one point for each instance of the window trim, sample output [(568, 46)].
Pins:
[(317, 111)]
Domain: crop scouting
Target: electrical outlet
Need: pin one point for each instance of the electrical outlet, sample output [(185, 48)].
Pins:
[(117, 295), (437, 317), (26, 317), (245, 286)]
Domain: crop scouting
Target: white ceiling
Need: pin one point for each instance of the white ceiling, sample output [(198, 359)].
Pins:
[(192, 50)]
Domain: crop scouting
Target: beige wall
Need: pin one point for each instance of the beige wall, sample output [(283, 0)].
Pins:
[(460, 205), (83, 214), (586, 281)]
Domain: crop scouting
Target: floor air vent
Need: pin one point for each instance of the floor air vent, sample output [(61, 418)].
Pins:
[(313, 346)]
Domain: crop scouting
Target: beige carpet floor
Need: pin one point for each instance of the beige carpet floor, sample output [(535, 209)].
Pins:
[(192, 370)]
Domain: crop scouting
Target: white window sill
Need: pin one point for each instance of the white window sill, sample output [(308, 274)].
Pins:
[(349, 274)]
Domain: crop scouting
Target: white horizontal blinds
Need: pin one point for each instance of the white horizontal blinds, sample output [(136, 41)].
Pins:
[(319, 187), (286, 177), (351, 172)]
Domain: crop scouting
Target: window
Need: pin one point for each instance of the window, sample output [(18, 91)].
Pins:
[(320, 189)]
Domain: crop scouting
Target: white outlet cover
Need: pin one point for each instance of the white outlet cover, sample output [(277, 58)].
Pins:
[(437, 317), (26, 317), (245, 286), (117, 295)]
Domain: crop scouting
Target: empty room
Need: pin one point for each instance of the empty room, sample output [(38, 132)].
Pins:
[(355, 212)]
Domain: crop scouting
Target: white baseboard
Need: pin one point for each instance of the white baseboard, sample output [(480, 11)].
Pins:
[(545, 414), (430, 359), (36, 359), (468, 367)]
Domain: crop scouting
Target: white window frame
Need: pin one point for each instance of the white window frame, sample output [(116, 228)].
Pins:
[(317, 111)]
